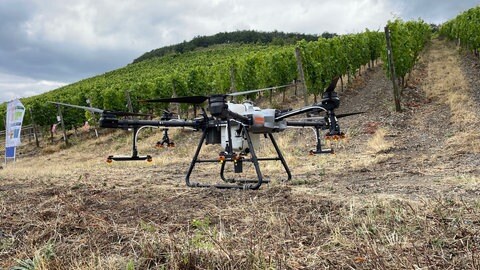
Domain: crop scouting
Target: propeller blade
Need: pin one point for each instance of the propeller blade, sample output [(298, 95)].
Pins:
[(313, 118), (299, 111), (332, 85), (191, 100), (347, 114), (247, 92), (120, 113), (336, 115), (95, 110)]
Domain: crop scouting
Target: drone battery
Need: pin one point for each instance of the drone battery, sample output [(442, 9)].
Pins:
[(213, 135), (238, 166)]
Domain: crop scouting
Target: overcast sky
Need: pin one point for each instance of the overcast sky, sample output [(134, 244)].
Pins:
[(47, 44)]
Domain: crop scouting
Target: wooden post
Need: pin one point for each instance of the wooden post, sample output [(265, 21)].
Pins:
[(349, 77), (37, 143), (129, 101), (94, 117), (391, 64), (296, 87), (30, 133), (271, 97), (341, 82), (51, 133), (174, 95), (233, 87), (301, 75), (63, 125)]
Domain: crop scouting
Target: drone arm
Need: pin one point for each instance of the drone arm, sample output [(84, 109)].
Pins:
[(128, 123), (299, 111), (238, 117), (319, 124)]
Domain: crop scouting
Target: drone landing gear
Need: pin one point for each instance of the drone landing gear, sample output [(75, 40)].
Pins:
[(135, 156), (238, 166), (318, 149)]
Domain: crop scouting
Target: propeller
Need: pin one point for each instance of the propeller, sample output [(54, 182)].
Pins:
[(96, 110), (336, 115), (347, 114), (332, 85), (201, 99), (190, 100)]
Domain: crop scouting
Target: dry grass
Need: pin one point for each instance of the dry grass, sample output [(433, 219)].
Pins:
[(378, 143), (447, 82), (231, 230)]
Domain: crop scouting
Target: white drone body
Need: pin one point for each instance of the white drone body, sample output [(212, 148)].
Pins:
[(263, 122)]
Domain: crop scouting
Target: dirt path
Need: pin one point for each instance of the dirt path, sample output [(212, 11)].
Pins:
[(429, 150)]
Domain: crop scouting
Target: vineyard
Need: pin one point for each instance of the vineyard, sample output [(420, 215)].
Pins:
[(219, 69), (227, 68), (401, 192), (465, 29)]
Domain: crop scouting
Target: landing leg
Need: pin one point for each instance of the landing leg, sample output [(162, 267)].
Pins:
[(280, 156), (258, 159), (134, 156)]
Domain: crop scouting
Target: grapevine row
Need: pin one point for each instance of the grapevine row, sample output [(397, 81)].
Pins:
[(465, 28), (407, 40), (337, 56)]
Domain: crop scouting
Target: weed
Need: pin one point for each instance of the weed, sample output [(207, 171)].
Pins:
[(130, 265), (39, 261), (147, 227), (202, 234)]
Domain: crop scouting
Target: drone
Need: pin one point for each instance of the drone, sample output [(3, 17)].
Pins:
[(236, 127)]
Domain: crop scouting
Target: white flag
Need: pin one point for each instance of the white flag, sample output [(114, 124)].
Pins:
[(15, 113)]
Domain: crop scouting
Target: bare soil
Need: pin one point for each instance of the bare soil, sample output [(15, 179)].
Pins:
[(401, 192)]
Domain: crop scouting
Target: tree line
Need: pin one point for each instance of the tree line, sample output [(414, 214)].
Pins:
[(240, 37)]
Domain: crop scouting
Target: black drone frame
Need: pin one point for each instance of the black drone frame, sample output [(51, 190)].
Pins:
[(221, 116)]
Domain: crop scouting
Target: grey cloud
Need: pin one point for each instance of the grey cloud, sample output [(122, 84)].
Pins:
[(434, 11), (12, 86), (66, 41)]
